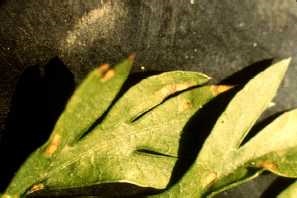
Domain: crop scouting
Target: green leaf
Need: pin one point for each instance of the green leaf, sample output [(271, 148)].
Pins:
[(221, 161), (290, 192), (87, 104), (90, 100), (116, 154), (275, 148), (156, 89), (137, 142)]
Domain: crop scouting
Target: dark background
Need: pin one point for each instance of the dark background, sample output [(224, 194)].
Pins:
[(48, 46)]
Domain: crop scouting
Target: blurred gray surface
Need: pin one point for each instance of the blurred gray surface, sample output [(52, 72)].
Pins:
[(215, 37)]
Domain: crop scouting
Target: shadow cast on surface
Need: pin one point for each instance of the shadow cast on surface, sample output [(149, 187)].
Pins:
[(39, 98), (280, 184), (247, 73), (106, 190)]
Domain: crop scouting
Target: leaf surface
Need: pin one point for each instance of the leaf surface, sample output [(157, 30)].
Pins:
[(137, 142), (117, 154), (275, 147), (83, 108), (90, 100), (156, 89), (221, 161)]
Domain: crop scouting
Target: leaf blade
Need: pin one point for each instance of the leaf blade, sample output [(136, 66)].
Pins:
[(42, 157), (132, 165), (100, 87), (241, 113), (168, 120), (156, 88), (221, 146), (275, 147), (92, 160)]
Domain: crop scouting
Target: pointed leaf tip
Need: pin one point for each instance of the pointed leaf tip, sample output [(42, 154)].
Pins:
[(218, 89), (205, 76), (284, 62), (288, 60)]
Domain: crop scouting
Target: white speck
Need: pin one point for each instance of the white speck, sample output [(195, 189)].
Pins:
[(186, 56), (195, 50), (271, 104), (192, 2), (8, 48), (71, 39), (255, 44), (242, 24), (142, 68)]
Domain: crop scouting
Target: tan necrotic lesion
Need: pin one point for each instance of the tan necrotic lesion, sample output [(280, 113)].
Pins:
[(105, 72), (53, 146)]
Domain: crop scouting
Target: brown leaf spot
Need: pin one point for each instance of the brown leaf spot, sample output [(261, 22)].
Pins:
[(35, 188), (173, 88), (209, 179), (268, 165), (102, 69), (108, 75), (218, 89), (185, 105), (105, 72), (53, 145)]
